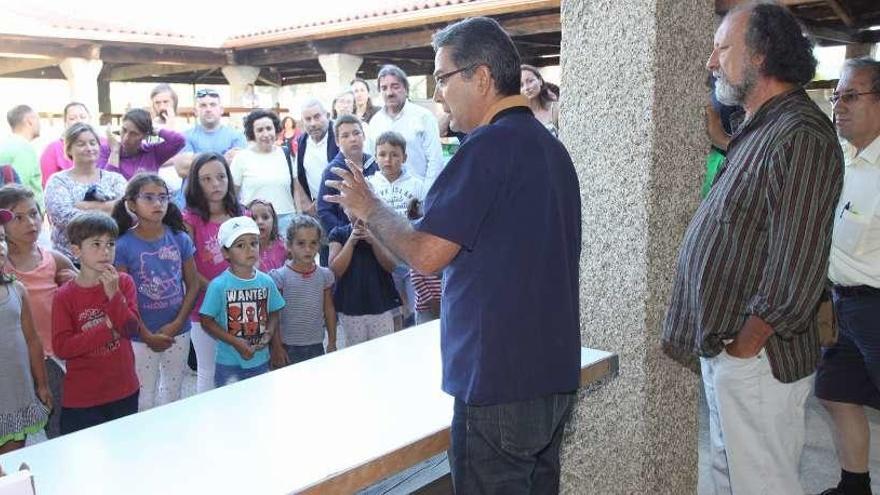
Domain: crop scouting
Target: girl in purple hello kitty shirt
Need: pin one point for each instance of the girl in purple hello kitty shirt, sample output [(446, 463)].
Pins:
[(154, 248)]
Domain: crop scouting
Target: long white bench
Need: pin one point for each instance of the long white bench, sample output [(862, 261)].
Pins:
[(330, 425)]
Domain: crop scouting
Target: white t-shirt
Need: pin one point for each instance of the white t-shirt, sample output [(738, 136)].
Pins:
[(399, 193), (315, 161), (264, 176)]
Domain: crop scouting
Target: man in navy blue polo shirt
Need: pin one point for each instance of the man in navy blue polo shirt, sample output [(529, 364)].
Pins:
[(503, 222)]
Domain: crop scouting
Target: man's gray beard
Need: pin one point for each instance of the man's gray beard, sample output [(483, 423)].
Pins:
[(734, 95)]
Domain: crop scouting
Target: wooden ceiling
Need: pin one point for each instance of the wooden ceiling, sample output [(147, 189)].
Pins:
[(293, 60), (537, 35), (831, 22)]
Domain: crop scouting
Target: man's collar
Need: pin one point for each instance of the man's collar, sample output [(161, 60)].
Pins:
[(501, 105), (771, 104), (870, 154), (209, 131), (400, 113), (320, 140)]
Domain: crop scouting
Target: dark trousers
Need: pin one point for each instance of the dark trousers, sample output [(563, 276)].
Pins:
[(79, 418), (510, 448), (300, 353), (56, 377)]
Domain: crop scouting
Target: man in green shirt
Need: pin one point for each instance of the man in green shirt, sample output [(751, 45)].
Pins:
[(16, 150)]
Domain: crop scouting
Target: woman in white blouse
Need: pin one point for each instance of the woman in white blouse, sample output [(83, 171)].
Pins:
[(263, 171)]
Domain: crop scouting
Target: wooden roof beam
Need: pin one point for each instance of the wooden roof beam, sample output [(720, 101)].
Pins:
[(143, 54), (49, 49), (841, 12), (723, 6), (398, 21), (14, 65), (386, 42), (138, 71)]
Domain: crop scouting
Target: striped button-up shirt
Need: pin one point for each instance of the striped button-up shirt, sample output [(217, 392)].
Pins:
[(758, 244)]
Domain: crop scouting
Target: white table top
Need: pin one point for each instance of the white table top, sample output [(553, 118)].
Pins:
[(331, 424)]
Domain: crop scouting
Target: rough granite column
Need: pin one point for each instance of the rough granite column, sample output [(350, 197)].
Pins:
[(632, 117)]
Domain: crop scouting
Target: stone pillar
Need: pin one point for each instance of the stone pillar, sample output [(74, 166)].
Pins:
[(239, 77), (633, 86), (82, 76), (340, 69)]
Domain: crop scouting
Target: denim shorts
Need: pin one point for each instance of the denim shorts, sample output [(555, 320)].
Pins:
[(225, 374)]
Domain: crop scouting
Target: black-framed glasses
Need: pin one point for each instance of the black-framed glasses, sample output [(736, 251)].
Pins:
[(848, 98), (440, 79), (207, 92)]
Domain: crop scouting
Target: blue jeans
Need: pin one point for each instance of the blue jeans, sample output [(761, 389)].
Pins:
[(225, 374), (510, 448), (300, 353)]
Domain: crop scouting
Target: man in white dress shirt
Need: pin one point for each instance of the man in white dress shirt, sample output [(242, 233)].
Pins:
[(416, 124), (848, 378)]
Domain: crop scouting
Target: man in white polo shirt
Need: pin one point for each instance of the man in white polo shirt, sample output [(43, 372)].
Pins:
[(416, 124), (848, 378)]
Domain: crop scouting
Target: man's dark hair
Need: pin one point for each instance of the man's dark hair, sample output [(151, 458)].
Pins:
[(868, 65), (91, 224), (772, 31), (15, 116), (392, 138), (164, 88), (482, 41), (347, 119), (393, 70), (256, 115)]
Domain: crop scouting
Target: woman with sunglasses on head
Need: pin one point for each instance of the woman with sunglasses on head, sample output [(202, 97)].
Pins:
[(542, 100), (262, 171), (132, 152)]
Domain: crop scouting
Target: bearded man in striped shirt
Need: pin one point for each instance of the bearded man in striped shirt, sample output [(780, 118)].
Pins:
[(753, 261)]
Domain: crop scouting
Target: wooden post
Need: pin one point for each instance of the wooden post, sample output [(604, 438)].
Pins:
[(856, 50)]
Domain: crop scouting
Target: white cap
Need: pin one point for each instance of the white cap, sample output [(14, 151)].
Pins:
[(234, 228)]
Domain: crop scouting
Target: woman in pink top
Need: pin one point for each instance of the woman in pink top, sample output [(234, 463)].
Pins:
[(40, 270), (210, 199), (54, 159)]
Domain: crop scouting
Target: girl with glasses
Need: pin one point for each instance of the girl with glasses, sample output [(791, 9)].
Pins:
[(155, 249)]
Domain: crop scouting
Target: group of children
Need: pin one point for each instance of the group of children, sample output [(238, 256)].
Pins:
[(152, 278)]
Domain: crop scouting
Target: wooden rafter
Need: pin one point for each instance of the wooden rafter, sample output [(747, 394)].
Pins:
[(385, 42), (841, 12), (14, 65), (138, 71)]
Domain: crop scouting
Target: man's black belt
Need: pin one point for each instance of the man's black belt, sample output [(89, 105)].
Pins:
[(856, 290)]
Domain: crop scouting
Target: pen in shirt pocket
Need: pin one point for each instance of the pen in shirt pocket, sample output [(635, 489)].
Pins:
[(848, 207)]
